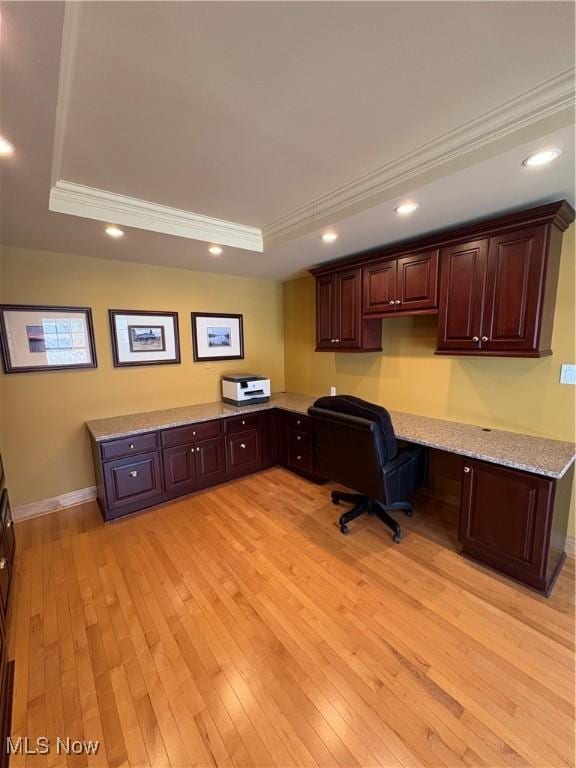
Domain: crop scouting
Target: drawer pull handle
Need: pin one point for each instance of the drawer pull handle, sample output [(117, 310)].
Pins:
[(466, 469), (131, 446), (134, 473), (3, 563), (242, 445)]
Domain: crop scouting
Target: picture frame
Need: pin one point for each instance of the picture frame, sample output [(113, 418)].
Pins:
[(36, 338), (144, 337), (217, 336)]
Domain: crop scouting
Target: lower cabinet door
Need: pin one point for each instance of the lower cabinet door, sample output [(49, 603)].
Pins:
[(505, 520), (133, 483), (210, 462), (5, 575), (7, 525), (243, 452), (180, 469)]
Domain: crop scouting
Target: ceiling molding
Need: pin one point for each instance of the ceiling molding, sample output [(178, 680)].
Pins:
[(553, 98), (111, 208)]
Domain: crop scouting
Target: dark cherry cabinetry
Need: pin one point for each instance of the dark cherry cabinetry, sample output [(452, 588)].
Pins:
[(493, 284), (401, 286), (296, 445), (497, 295), (514, 522), (133, 483), (7, 553), (339, 321)]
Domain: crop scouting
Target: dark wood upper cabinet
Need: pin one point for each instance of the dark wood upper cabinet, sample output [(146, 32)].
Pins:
[(401, 286), (497, 295), (462, 289), (339, 321)]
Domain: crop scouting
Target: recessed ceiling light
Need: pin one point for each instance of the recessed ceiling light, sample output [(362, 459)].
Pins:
[(6, 148), (329, 237), (114, 232), (542, 158), (405, 208), (215, 250)]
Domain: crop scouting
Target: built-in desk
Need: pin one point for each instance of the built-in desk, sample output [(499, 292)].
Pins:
[(516, 488)]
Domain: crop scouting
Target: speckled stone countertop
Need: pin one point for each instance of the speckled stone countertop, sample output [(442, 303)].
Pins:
[(539, 455)]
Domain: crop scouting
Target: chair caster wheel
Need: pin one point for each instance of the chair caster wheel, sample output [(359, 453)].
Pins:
[(408, 512), (344, 529), (396, 538)]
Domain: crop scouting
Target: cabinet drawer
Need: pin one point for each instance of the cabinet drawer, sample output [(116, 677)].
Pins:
[(298, 422), (127, 446), (242, 423), (134, 481), (190, 433), (7, 524), (299, 439), (243, 451), (301, 458)]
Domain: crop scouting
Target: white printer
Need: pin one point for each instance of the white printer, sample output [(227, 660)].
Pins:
[(245, 388)]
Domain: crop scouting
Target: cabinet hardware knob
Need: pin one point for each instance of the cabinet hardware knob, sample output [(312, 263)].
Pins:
[(3, 563), (484, 338), (131, 445), (192, 450), (198, 449), (299, 437), (298, 422), (298, 458), (475, 338), (243, 421), (397, 301), (9, 524), (194, 433), (337, 341), (466, 469), (134, 473), (391, 301), (242, 445)]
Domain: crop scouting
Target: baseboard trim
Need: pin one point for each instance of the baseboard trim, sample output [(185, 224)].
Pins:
[(570, 547), (53, 504)]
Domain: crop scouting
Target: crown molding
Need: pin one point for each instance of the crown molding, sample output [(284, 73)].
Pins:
[(101, 205), (553, 99)]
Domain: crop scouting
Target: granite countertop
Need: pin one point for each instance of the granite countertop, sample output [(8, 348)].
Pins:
[(539, 455)]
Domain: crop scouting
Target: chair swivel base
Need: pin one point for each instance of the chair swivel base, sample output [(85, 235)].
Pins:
[(367, 504)]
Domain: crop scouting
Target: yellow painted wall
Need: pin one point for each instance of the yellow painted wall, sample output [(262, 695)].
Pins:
[(44, 441), (520, 395)]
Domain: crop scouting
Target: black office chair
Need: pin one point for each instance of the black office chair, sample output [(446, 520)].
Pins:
[(356, 447)]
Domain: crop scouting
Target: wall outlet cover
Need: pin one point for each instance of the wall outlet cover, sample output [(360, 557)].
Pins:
[(568, 373)]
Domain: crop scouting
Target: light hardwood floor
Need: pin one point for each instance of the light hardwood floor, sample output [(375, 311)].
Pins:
[(239, 627)]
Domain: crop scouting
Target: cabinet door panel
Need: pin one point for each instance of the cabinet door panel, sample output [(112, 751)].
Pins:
[(7, 525), (462, 285), (515, 277), (504, 520), (180, 469), (133, 481), (325, 328), (417, 281), (243, 452), (210, 462), (348, 309), (379, 287)]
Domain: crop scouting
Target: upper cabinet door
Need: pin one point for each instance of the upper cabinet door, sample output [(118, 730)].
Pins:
[(462, 286), (379, 287), (348, 294), (516, 264), (417, 282), (325, 312)]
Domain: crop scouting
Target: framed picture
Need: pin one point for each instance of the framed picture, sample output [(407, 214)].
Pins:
[(144, 338), (217, 337), (38, 338)]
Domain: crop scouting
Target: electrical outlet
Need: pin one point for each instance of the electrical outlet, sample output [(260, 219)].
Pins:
[(333, 391), (568, 373)]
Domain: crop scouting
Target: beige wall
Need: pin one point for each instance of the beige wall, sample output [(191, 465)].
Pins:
[(44, 441), (520, 395)]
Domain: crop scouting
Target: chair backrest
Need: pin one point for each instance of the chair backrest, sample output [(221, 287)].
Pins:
[(354, 440)]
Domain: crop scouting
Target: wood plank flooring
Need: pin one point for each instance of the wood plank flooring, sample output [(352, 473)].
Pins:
[(238, 627)]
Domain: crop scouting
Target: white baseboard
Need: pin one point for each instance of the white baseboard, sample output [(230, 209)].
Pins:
[(53, 504), (570, 547)]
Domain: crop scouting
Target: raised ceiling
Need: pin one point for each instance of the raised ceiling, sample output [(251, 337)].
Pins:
[(282, 117)]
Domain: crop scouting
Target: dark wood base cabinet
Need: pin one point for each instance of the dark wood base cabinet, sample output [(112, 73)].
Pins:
[(7, 553), (134, 473), (515, 522)]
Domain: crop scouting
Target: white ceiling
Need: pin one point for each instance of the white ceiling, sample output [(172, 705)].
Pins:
[(251, 111)]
